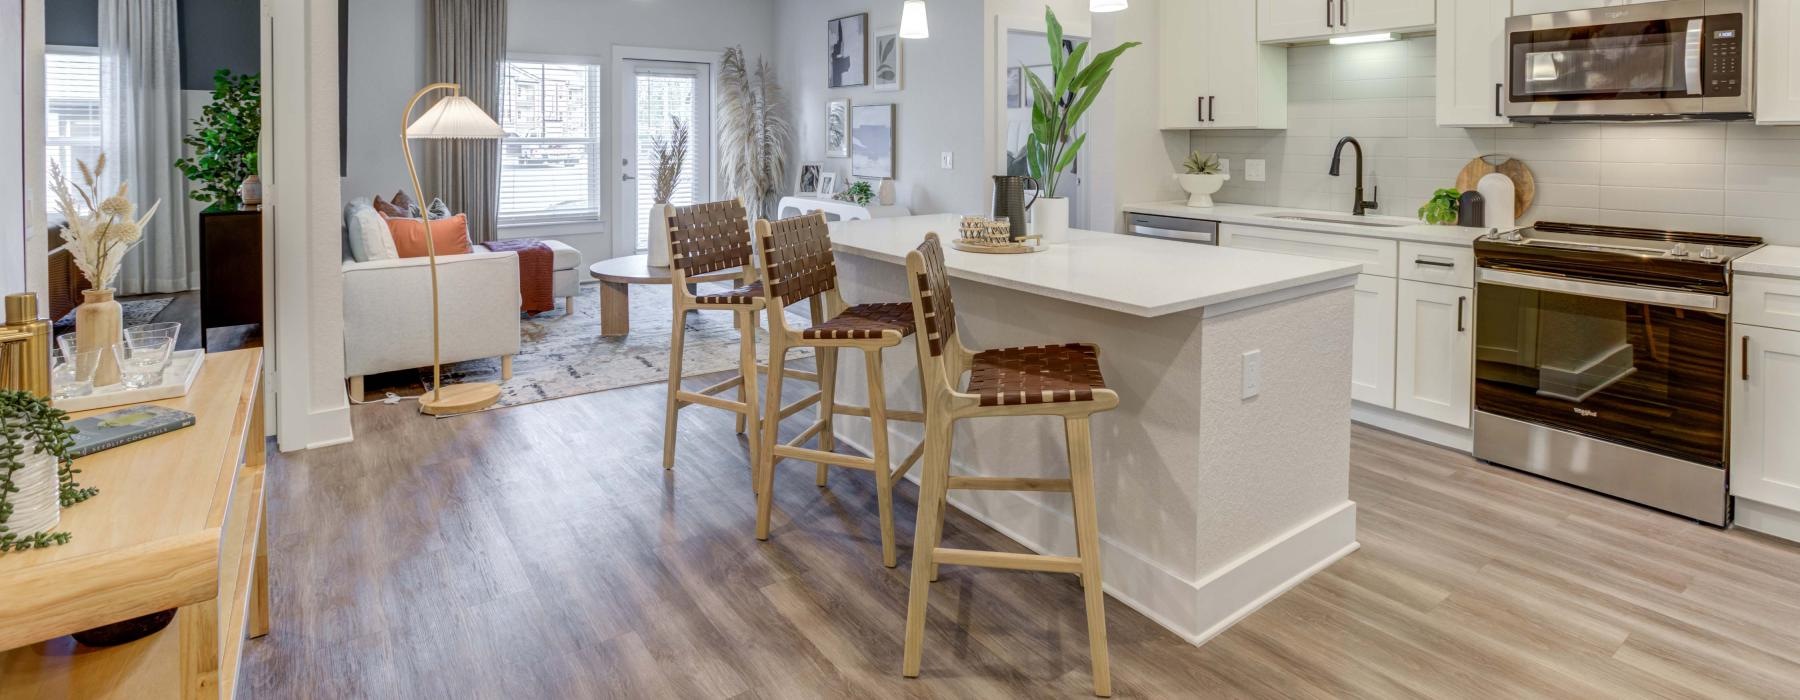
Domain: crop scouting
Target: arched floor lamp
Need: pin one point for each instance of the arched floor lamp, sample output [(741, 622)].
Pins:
[(454, 117)]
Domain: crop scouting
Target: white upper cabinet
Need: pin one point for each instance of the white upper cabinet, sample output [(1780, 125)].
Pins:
[(1288, 21), (1212, 72), (1471, 62), (1777, 65)]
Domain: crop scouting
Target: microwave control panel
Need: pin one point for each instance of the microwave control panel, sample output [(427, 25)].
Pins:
[(1724, 59)]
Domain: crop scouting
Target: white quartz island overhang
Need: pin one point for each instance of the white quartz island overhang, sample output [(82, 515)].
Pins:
[(1216, 494)]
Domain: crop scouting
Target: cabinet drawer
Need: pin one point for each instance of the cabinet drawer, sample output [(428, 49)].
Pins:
[(1438, 264), (1766, 301), (1378, 257)]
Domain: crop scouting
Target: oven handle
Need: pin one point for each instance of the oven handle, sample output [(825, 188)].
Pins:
[(1659, 297), (1691, 58)]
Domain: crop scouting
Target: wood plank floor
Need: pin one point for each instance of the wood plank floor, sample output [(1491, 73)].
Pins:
[(541, 551)]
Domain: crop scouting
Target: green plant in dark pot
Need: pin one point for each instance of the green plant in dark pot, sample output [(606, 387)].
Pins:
[(35, 468), (224, 140), (1441, 208)]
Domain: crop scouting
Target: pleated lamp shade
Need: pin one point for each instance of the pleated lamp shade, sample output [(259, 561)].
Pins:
[(455, 117)]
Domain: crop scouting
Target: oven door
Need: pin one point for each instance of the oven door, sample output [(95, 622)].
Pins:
[(1646, 368), (1682, 58)]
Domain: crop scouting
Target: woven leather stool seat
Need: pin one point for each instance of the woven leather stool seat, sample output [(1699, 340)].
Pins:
[(865, 322), (1036, 374), (742, 296)]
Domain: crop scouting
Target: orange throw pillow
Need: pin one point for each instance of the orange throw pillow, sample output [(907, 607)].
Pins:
[(450, 236)]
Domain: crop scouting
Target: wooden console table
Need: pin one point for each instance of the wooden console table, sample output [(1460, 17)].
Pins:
[(179, 523)]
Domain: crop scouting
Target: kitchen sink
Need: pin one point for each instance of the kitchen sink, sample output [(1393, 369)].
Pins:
[(1348, 220)]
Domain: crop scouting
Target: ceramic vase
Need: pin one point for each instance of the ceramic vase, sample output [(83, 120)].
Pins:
[(251, 193), (1200, 188), (98, 324), (659, 235), (1050, 219)]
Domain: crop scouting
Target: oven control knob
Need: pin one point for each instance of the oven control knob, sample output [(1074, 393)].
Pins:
[(1512, 236), (1708, 253), (1679, 251)]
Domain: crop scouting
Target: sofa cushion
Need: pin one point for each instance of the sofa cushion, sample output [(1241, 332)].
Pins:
[(366, 232), (565, 256), (450, 236)]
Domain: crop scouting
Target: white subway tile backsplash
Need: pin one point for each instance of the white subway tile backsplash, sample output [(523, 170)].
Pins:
[(1732, 178)]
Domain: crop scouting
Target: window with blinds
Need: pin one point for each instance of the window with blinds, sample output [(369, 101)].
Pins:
[(72, 129), (550, 158)]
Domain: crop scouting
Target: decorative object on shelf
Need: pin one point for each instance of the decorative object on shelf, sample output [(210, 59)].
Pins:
[(847, 41), (453, 117), (99, 232), (1107, 5), (859, 192), (872, 141), (1202, 177), (1056, 109), (1442, 208), (37, 479), (250, 193), (179, 373), (1009, 199), (890, 60), (1498, 188), (224, 140), (837, 129), (753, 135), (123, 427), (913, 23), (884, 193), (827, 184), (1524, 183), (671, 157), (1471, 210), (808, 184), (980, 234)]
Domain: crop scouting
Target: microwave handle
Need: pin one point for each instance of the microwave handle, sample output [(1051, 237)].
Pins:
[(1691, 57)]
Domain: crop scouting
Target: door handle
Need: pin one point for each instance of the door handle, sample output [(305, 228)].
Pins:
[(1745, 359), (1328, 13), (1212, 115), (628, 177), (1460, 303), (1497, 88)]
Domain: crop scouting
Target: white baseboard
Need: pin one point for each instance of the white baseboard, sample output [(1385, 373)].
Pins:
[(1196, 610), (1767, 519), (326, 428), (1441, 434)]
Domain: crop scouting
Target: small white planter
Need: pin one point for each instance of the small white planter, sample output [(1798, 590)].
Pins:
[(659, 235), (37, 506), (1050, 219), (1200, 188)]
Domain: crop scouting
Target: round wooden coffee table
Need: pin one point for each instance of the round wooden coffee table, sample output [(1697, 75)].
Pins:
[(618, 274)]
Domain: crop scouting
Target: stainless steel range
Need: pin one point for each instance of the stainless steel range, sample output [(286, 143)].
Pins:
[(1602, 359)]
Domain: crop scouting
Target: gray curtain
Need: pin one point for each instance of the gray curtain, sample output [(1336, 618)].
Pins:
[(466, 44), (140, 93)]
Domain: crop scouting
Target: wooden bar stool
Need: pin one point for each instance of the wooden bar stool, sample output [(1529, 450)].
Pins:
[(1049, 380), (704, 239), (798, 264)]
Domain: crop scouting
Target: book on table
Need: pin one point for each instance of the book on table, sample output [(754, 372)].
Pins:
[(124, 426)]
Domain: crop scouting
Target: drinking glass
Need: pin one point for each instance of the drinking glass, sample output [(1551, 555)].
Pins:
[(141, 360), (162, 329), (72, 372)]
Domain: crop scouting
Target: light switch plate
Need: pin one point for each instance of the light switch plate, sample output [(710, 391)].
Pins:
[(1256, 170), (946, 160), (1225, 166), (1252, 373)]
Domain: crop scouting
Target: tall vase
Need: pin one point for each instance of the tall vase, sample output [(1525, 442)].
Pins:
[(659, 235), (1050, 219), (98, 324)]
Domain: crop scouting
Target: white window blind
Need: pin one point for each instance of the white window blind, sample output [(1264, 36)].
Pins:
[(661, 97), (550, 158), (72, 128)]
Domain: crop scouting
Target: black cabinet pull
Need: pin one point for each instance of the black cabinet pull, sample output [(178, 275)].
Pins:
[(1497, 88), (1433, 263), (1460, 302), (1328, 13), (1200, 108), (1343, 6), (1746, 358), (1211, 115)]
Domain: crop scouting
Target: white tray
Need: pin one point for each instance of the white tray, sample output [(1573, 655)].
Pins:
[(178, 377)]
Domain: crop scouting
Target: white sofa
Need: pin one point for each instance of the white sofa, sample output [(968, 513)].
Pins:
[(387, 312)]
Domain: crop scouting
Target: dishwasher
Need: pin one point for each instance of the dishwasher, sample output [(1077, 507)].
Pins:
[(1173, 228)]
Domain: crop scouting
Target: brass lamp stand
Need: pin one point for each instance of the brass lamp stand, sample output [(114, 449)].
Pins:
[(454, 117)]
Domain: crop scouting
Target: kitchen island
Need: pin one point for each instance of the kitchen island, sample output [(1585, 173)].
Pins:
[(1222, 477)]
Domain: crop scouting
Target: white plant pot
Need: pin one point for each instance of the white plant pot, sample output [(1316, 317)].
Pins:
[(37, 506), (1200, 188), (1050, 219), (659, 235)]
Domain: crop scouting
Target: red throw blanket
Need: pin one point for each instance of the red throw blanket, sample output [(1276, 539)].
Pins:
[(537, 270)]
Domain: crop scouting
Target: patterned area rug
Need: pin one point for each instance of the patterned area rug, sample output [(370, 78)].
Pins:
[(562, 355), (131, 312)]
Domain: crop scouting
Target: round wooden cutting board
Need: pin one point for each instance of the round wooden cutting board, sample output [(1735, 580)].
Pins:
[(1524, 186)]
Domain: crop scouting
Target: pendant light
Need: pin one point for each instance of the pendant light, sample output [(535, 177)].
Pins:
[(912, 20), (1107, 5)]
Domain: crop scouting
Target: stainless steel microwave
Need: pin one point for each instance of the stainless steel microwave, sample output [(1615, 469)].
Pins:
[(1660, 61)]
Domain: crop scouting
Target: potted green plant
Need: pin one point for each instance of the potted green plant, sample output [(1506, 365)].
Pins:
[(225, 141), (859, 192), (37, 477), (1201, 176), (1441, 208), (1056, 113)]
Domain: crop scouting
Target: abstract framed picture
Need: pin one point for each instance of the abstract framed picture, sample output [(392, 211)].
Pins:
[(808, 184), (847, 40), (889, 60), (837, 129), (872, 141), (827, 184)]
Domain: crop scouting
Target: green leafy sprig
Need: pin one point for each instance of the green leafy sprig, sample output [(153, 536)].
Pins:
[(30, 423), (1441, 208), (225, 140)]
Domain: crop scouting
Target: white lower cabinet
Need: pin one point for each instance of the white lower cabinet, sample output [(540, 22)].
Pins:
[(1372, 348), (1433, 351), (1765, 414)]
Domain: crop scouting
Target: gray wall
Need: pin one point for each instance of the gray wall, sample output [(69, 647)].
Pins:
[(214, 34)]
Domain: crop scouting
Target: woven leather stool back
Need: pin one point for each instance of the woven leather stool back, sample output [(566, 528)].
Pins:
[(797, 259), (709, 237), (935, 310)]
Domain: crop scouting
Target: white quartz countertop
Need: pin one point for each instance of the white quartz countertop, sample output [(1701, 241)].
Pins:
[(1770, 261), (1258, 215), (1140, 276)]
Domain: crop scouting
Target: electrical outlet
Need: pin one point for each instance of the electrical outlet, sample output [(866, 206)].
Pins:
[(1252, 373), (1256, 170), (946, 160), (1225, 166)]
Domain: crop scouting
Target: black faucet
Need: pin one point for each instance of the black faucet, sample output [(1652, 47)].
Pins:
[(1336, 153)]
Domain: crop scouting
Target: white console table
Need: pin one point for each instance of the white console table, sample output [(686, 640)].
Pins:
[(836, 210)]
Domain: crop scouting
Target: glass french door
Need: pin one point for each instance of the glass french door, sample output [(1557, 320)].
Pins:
[(653, 97)]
